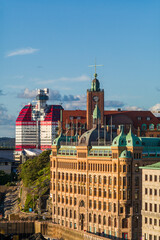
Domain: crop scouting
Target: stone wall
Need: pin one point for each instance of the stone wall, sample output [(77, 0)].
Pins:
[(56, 231)]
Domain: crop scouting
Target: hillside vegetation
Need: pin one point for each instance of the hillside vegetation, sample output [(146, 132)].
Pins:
[(35, 175)]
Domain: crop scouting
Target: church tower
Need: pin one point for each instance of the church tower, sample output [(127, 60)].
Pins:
[(95, 96)]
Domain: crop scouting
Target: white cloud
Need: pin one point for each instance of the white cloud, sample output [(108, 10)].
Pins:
[(22, 51), (80, 104), (155, 108), (81, 78), (133, 108), (27, 93)]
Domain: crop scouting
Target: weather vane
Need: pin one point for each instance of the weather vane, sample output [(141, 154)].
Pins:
[(95, 65)]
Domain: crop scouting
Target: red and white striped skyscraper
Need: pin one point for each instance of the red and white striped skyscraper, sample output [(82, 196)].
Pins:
[(36, 125)]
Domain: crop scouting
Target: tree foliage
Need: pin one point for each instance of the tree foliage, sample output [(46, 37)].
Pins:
[(35, 168), (7, 178)]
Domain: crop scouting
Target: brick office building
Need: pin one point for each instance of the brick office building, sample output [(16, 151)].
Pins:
[(96, 184)]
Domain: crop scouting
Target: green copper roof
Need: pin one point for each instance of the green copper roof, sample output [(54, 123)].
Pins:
[(120, 140), (96, 113), (132, 140), (95, 87), (125, 154), (155, 166), (127, 140), (62, 138)]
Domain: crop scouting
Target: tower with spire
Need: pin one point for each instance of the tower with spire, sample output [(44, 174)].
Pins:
[(95, 101)]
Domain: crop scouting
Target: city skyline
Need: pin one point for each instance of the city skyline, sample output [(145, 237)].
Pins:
[(50, 44)]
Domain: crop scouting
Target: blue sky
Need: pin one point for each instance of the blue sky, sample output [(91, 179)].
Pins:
[(48, 43)]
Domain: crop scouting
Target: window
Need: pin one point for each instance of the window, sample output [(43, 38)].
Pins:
[(155, 207), (150, 177), (104, 206), (114, 194), (99, 205), (124, 168), (110, 180), (75, 177), (150, 221), (90, 178), (145, 220), (124, 181), (114, 207), (109, 221), (146, 191), (155, 222), (115, 181), (104, 220), (99, 219), (104, 192), (90, 217), (155, 178), (115, 167), (94, 204), (124, 223), (94, 218), (150, 207), (95, 191), (148, 118), (146, 177), (109, 207), (90, 203), (104, 180), (146, 206)]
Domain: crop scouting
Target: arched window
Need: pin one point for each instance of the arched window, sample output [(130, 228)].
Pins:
[(109, 221), (94, 218), (99, 219), (151, 126), (90, 217), (104, 220)]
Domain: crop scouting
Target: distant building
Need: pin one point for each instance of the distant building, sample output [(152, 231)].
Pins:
[(96, 184), (37, 124), (151, 201), (7, 165)]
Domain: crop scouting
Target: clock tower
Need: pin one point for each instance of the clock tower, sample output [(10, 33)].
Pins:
[(95, 96)]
